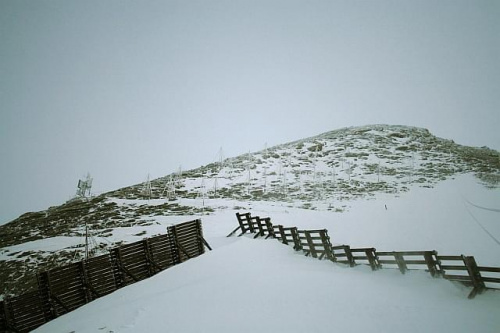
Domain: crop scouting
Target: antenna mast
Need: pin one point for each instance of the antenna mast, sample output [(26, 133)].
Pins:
[(146, 190), (84, 187)]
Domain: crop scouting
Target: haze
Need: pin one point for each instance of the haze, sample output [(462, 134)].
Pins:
[(121, 89)]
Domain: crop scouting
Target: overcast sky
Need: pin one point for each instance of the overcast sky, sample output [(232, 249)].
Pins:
[(122, 88)]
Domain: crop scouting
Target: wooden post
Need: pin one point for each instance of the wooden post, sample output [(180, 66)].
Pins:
[(233, 232), (117, 270), (199, 238), (174, 245), (349, 256), (310, 243), (372, 258), (61, 303), (475, 276), (401, 262), (270, 228), (325, 239), (347, 253), (153, 268), (204, 242), (296, 240), (83, 276), (49, 310), (3, 317), (432, 264), (6, 320), (282, 233)]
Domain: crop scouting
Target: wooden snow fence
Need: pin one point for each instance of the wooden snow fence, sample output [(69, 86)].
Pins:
[(367, 256), (63, 289), (479, 278), (316, 243), (253, 224), (410, 260), (288, 236), (244, 224)]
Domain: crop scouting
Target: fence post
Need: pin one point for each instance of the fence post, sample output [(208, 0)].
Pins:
[(153, 268), (310, 243), (201, 240), (282, 233), (296, 240), (49, 310), (83, 276), (349, 256), (372, 258), (325, 239), (400, 260), (475, 276), (270, 228), (5, 316), (432, 264), (174, 245), (117, 271)]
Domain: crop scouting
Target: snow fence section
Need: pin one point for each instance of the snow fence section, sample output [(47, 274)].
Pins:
[(316, 243), (66, 288)]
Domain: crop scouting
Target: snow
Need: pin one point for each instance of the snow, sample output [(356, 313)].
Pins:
[(51, 244), (247, 285)]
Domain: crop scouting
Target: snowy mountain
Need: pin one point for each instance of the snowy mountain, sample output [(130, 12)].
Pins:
[(392, 187)]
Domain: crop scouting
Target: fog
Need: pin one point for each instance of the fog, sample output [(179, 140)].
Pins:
[(121, 89)]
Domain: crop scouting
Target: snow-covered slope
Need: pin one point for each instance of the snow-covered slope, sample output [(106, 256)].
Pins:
[(341, 180), (256, 285)]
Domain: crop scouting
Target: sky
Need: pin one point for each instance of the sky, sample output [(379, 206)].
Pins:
[(123, 89)]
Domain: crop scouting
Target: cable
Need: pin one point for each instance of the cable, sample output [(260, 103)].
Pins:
[(482, 227), (483, 208)]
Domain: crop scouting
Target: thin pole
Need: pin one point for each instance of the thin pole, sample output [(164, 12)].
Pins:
[(86, 241)]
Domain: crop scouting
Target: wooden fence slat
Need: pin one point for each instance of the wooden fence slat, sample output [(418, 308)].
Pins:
[(450, 258), (489, 269), (490, 279), (453, 268)]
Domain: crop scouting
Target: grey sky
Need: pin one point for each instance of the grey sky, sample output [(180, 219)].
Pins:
[(121, 89)]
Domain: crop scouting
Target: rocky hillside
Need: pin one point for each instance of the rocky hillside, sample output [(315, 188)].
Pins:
[(324, 172)]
